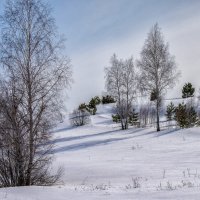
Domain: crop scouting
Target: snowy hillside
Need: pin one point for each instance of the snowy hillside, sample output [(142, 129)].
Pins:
[(103, 162)]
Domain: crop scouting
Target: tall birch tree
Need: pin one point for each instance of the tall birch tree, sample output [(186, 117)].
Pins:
[(158, 70), (34, 74)]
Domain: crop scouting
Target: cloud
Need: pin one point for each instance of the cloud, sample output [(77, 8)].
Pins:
[(97, 29), (182, 33)]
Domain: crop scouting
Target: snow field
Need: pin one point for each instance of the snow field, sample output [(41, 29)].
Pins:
[(103, 162)]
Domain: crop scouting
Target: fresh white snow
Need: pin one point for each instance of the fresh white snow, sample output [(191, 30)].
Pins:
[(103, 162)]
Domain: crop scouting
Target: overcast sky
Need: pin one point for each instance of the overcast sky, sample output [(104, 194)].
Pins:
[(95, 29)]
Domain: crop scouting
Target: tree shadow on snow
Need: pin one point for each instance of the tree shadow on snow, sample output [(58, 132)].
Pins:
[(82, 145), (62, 129), (94, 143), (87, 144), (154, 133), (166, 132), (65, 139), (125, 132)]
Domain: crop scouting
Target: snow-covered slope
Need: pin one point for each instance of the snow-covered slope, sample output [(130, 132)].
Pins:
[(103, 162)]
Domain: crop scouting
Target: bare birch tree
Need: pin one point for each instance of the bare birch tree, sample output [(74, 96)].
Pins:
[(121, 84), (34, 74), (157, 67)]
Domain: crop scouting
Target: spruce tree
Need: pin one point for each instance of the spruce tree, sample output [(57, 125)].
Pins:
[(83, 107), (181, 116), (170, 111), (116, 118), (192, 116), (133, 118), (97, 100), (186, 116), (92, 105), (188, 90)]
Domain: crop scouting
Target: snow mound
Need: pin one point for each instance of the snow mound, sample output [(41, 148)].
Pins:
[(103, 117), (106, 108)]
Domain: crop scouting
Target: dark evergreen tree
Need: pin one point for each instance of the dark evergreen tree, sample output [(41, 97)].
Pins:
[(188, 90), (133, 118), (108, 99), (192, 116), (83, 107), (97, 100), (186, 116), (153, 95), (181, 116), (116, 118), (92, 106), (170, 112)]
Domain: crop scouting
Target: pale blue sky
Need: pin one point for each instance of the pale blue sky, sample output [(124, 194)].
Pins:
[(90, 22), (95, 29)]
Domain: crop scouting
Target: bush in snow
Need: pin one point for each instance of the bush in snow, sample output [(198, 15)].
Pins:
[(79, 117), (97, 100), (107, 99), (84, 106), (116, 118), (91, 107)]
